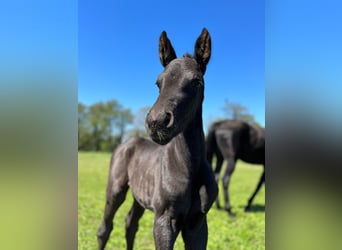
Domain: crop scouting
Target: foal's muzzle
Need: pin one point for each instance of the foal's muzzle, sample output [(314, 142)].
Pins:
[(159, 126)]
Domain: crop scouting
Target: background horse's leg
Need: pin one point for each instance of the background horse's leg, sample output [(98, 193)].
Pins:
[(195, 233), (165, 231), (132, 220), (231, 162), (114, 199), (261, 181), (219, 162)]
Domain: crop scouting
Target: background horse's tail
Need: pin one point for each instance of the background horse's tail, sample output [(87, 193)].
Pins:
[(211, 145)]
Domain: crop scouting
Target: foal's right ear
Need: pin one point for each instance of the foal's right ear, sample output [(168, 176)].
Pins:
[(166, 51)]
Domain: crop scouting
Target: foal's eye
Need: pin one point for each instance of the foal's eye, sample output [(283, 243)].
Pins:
[(196, 82)]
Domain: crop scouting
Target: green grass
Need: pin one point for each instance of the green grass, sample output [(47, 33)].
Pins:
[(245, 232)]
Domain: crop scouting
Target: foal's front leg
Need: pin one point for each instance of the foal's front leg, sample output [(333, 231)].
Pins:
[(165, 232), (195, 232)]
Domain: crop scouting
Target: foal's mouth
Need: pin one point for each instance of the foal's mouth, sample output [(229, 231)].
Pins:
[(164, 135), (160, 136), (161, 129)]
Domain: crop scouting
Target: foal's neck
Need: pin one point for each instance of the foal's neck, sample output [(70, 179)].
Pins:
[(184, 155), (194, 132), (191, 139)]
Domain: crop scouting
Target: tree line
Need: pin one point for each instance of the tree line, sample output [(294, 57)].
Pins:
[(104, 125)]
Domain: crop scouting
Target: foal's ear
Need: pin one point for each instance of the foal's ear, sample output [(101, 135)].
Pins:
[(203, 49), (166, 51)]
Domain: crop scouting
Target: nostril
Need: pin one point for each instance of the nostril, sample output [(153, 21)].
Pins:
[(168, 119), (162, 121), (150, 123)]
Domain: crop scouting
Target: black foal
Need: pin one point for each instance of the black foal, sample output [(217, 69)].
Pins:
[(168, 174)]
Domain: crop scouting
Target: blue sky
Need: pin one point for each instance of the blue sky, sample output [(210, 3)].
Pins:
[(114, 44), (118, 51)]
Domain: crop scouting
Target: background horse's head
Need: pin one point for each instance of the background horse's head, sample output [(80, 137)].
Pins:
[(181, 89)]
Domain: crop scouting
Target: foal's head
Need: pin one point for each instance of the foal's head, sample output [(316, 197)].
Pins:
[(181, 88)]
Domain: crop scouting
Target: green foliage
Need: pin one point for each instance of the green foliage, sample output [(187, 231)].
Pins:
[(102, 125), (245, 232), (236, 111), (139, 122)]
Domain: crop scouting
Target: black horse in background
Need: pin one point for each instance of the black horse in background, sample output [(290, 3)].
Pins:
[(231, 140), (168, 174)]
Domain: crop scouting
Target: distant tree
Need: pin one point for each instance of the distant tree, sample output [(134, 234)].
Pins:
[(84, 136), (236, 111), (81, 118), (100, 119), (139, 122), (124, 118), (102, 125)]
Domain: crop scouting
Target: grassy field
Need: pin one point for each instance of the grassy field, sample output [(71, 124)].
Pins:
[(245, 232)]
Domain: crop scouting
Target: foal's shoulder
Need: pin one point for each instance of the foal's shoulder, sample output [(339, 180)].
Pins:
[(134, 145), (140, 143)]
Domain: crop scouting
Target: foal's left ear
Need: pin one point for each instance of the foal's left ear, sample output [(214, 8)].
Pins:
[(203, 49), (166, 51)]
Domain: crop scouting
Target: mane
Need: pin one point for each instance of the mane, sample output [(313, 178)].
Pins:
[(188, 55)]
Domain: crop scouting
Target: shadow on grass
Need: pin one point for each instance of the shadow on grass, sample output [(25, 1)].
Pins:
[(255, 208)]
